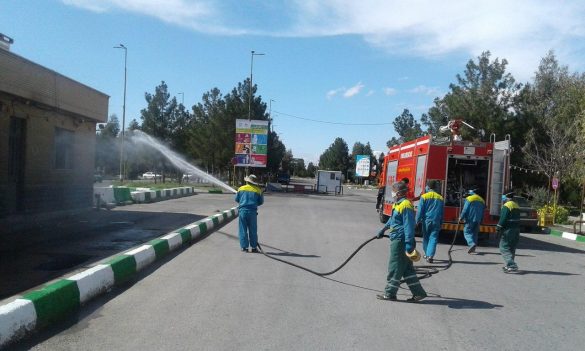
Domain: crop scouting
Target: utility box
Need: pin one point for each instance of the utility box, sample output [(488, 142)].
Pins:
[(329, 182)]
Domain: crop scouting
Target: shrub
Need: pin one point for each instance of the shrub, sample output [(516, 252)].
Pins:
[(561, 216), (538, 196)]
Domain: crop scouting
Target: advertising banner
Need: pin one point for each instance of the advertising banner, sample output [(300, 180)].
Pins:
[(362, 165), (251, 143)]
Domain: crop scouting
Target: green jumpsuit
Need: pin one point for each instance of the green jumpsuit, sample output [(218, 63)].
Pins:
[(510, 234), (402, 240)]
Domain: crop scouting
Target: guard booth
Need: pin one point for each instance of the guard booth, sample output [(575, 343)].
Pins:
[(329, 182)]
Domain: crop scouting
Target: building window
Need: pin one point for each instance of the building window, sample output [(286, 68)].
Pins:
[(63, 148)]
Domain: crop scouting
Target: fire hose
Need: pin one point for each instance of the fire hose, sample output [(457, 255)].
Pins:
[(422, 272)]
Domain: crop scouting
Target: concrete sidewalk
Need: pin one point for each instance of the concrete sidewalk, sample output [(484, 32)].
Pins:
[(568, 231), (51, 246), (48, 304)]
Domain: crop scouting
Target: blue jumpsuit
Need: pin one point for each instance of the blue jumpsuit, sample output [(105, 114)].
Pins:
[(249, 198), (430, 213), (472, 214)]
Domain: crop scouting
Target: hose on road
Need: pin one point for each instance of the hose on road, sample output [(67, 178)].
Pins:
[(423, 272)]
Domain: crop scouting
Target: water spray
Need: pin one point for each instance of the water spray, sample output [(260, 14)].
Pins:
[(178, 161)]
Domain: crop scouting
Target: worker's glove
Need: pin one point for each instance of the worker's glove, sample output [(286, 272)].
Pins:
[(410, 245), (380, 234)]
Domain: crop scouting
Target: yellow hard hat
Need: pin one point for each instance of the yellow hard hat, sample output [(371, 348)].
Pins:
[(414, 256)]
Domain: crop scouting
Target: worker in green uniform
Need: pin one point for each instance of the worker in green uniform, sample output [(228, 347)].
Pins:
[(402, 242), (508, 230)]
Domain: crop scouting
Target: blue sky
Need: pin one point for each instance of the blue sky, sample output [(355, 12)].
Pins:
[(332, 60)]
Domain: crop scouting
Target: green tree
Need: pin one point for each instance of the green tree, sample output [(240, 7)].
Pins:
[(406, 127), (158, 118), (133, 125), (552, 107), (166, 120), (107, 148), (311, 170), (336, 157), (298, 167), (211, 130), (484, 97), (203, 141)]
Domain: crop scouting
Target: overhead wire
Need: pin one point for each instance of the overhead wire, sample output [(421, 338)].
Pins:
[(330, 122)]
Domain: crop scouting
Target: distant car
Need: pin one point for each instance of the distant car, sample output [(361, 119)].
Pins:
[(283, 178), (151, 175), (528, 215)]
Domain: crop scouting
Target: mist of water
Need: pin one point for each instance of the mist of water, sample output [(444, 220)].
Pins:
[(178, 161)]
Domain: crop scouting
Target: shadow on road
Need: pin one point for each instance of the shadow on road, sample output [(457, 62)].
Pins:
[(533, 244), (280, 253), (523, 272), (497, 253), (476, 262), (459, 304)]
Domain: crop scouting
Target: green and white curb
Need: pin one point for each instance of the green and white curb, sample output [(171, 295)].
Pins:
[(567, 235), (39, 308), (141, 195)]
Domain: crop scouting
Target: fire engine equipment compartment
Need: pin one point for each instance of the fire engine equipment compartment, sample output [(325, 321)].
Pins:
[(464, 174)]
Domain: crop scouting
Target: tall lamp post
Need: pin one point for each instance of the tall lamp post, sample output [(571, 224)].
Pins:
[(270, 114), (182, 98), (253, 53), (122, 164)]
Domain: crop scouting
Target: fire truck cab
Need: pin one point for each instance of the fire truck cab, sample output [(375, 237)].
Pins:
[(458, 166)]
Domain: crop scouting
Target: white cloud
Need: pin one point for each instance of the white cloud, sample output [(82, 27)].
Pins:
[(522, 30), (347, 92), (199, 15), (331, 93), (423, 89), (353, 91), (370, 93), (390, 91)]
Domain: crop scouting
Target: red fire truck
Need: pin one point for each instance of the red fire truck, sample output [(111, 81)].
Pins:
[(458, 166)]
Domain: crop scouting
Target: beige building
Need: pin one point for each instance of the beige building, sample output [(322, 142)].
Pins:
[(47, 138)]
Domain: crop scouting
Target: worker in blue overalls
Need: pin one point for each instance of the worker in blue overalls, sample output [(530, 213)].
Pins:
[(472, 214), (249, 198), (430, 215), (402, 243)]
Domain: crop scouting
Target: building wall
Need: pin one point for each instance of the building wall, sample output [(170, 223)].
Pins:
[(45, 188), (42, 100), (26, 79)]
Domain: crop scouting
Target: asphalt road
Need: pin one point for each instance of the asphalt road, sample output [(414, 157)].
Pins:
[(213, 297)]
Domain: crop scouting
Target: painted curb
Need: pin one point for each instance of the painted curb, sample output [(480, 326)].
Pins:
[(567, 235), (56, 300)]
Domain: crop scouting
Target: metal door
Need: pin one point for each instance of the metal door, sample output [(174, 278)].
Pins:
[(499, 175)]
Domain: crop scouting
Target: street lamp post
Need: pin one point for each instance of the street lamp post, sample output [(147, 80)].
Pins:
[(182, 98), (270, 114), (122, 164), (253, 53)]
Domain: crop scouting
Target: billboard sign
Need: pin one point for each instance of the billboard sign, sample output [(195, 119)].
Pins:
[(251, 143), (362, 165)]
